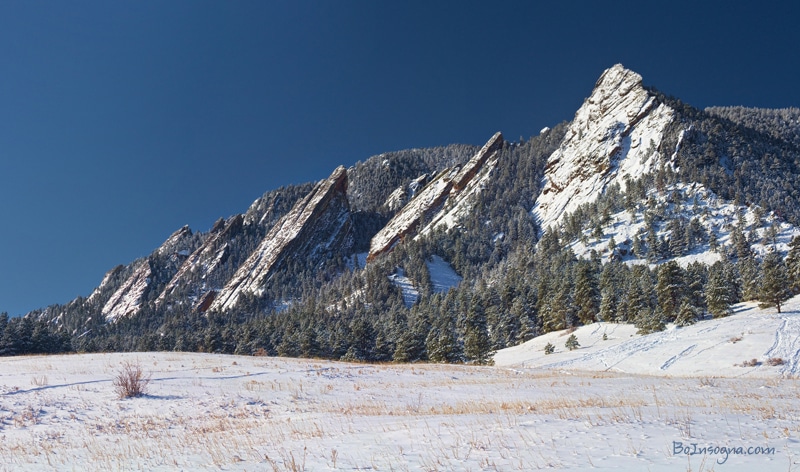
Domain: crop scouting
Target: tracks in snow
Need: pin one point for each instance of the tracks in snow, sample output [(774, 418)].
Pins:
[(787, 345)]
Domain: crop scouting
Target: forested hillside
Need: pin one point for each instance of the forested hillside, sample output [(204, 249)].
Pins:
[(674, 214)]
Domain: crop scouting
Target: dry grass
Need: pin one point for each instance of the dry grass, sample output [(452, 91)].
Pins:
[(294, 415)]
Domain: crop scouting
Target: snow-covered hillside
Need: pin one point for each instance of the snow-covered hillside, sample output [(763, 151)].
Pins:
[(687, 202), (722, 347)]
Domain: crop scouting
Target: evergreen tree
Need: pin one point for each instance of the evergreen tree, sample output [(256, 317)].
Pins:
[(476, 339), (718, 291), (572, 342), (774, 288), (442, 343), (687, 314), (648, 321), (713, 241), (410, 345), (793, 264), (587, 293), (670, 289), (749, 277), (696, 277)]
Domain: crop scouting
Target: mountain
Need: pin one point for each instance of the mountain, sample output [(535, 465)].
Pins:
[(640, 210), (316, 226), (440, 201), (616, 134)]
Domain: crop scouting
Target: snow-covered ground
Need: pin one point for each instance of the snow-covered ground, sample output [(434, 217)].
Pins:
[(406, 285), (668, 401), (709, 348), (443, 277)]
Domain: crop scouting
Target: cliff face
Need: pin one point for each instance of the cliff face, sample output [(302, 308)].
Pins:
[(150, 272), (203, 264), (438, 202), (616, 133), (318, 224)]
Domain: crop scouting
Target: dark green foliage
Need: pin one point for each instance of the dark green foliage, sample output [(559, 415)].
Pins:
[(670, 289), (587, 293), (572, 342), (793, 264), (549, 348), (687, 314), (720, 290), (774, 288)]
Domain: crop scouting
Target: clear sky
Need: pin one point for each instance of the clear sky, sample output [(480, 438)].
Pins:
[(122, 121)]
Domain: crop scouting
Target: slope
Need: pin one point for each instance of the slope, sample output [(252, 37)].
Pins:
[(724, 347)]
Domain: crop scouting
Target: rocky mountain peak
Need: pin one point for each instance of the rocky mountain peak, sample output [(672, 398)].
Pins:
[(441, 199), (616, 133), (318, 224)]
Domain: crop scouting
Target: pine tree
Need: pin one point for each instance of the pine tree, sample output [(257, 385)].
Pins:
[(774, 288), (410, 345), (572, 342), (696, 277), (476, 339), (713, 241), (749, 276), (587, 293), (648, 321), (670, 289), (442, 343), (718, 291), (687, 314), (793, 264)]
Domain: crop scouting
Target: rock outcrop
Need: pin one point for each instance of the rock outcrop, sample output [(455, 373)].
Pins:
[(318, 224), (204, 263), (438, 199), (128, 298), (616, 133)]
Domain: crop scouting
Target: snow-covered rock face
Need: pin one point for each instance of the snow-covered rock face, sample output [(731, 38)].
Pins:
[(441, 201), (317, 224), (128, 298), (205, 261), (616, 133)]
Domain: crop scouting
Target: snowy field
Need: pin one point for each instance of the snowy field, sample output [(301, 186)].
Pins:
[(669, 401)]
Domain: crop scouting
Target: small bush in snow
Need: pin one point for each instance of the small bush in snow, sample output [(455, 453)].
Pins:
[(549, 348), (572, 342), (131, 381), (773, 361)]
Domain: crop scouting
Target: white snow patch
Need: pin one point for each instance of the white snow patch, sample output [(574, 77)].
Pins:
[(443, 277), (406, 285)]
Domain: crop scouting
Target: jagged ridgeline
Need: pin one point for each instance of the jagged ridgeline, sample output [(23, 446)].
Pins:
[(642, 209)]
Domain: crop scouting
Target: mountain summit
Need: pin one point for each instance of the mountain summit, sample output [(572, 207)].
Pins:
[(616, 134)]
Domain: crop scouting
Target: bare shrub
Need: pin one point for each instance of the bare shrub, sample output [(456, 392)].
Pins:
[(750, 363), (131, 380), (774, 361), (708, 382)]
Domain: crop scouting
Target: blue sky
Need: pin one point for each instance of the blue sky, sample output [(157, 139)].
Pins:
[(122, 121)]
